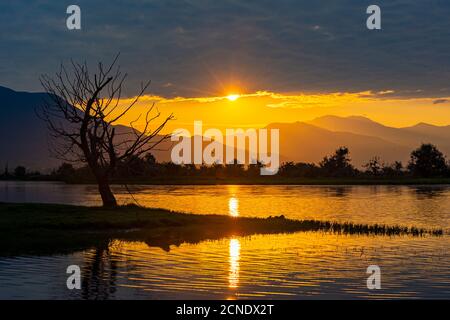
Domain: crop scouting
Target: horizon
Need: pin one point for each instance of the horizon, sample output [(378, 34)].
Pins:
[(203, 151), (306, 65), (225, 102)]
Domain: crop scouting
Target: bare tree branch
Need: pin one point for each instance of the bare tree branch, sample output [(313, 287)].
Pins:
[(80, 113)]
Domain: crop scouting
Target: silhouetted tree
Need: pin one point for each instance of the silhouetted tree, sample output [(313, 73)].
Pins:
[(254, 170), (81, 113), (150, 159), (374, 166), (217, 170), (190, 169), (234, 169), (20, 172), (338, 165), (134, 167), (306, 170), (393, 170), (151, 165), (427, 161), (66, 171)]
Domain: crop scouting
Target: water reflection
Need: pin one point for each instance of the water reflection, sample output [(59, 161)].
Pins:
[(273, 266), (235, 254), (284, 266), (233, 201), (233, 207), (99, 274), (430, 192), (339, 191), (422, 206)]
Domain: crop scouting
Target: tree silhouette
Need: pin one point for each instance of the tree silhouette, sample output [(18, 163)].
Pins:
[(65, 171), (338, 164), (20, 172), (374, 166), (81, 114), (427, 161), (393, 170)]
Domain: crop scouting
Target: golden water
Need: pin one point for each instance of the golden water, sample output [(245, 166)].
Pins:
[(288, 266)]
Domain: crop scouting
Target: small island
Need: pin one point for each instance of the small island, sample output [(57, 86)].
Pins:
[(51, 229)]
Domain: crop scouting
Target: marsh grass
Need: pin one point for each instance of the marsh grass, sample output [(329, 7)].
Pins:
[(49, 228)]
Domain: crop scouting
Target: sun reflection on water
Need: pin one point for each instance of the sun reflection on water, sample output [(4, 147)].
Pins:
[(233, 207), (297, 265), (235, 253)]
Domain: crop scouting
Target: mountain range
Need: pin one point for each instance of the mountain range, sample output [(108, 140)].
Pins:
[(24, 137)]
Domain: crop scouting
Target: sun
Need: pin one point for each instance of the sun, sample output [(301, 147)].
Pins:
[(233, 97)]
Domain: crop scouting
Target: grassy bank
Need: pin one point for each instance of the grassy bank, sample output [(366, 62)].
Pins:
[(48, 229), (261, 180)]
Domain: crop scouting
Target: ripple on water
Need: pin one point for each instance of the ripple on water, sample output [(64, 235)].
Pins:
[(422, 206), (287, 266)]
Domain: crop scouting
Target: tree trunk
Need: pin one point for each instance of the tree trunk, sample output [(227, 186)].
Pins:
[(109, 201)]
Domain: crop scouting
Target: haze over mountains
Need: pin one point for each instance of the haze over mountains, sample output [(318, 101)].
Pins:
[(24, 138)]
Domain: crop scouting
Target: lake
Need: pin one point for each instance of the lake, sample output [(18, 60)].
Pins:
[(304, 265)]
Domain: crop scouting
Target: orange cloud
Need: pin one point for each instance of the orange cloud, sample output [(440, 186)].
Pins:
[(260, 108)]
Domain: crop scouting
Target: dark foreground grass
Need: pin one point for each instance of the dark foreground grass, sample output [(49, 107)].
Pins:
[(49, 229)]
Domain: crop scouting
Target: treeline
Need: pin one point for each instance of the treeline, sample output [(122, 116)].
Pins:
[(21, 173), (425, 162)]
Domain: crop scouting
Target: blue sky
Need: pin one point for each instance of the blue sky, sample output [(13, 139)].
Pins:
[(200, 48)]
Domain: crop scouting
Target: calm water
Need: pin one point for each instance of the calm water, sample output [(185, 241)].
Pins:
[(288, 266)]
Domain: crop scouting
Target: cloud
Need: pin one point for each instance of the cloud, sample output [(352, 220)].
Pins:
[(381, 93), (440, 101), (204, 47)]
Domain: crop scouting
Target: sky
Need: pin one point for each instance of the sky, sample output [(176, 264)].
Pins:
[(290, 60)]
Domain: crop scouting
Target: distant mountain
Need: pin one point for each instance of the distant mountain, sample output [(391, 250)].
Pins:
[(409, 137), (365, 126), (425, 129), (308, 143), (24, 139), (23, 136)]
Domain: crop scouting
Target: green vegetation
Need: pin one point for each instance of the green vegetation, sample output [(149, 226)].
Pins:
[(427, 166), (50, 229)]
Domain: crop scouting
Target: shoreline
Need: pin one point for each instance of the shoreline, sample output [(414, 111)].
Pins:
[(260, 181), (40, 229)]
